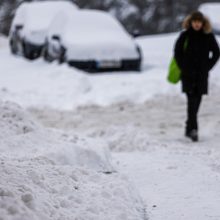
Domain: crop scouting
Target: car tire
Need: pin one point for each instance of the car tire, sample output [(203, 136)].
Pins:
[(27, 51), (46, 55)]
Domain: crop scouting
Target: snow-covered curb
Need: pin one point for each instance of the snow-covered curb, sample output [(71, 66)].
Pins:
[(47, 174)]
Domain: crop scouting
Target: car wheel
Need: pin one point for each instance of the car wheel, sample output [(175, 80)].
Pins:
[(28, 52), (46, 55)]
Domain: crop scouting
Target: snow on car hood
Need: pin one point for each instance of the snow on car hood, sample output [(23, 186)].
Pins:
[(100, 47)]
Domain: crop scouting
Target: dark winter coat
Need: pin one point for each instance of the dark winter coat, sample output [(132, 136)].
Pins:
[(200, 54)]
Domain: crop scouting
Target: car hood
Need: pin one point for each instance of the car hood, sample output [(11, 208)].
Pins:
[(36, 37), (102, 47)]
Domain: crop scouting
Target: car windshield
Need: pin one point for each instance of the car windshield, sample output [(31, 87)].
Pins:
[(40, 15), (92, 23)]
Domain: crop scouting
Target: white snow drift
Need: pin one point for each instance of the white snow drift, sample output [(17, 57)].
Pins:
[(46, 174)]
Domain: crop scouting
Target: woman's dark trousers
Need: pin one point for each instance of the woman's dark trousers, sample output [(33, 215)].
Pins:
[(194, 101)]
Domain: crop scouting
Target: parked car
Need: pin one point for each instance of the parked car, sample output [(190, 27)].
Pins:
[(30, 25), (92, 40), (212, 11)]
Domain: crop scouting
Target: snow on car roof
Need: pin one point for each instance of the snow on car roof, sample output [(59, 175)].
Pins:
[(38, 15), (88, 23), (211, 10), (85, 19)]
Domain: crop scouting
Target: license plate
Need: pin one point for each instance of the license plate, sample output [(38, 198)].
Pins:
[(109, 64)]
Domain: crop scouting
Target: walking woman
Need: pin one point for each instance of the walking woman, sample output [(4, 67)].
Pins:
[(196, 53)]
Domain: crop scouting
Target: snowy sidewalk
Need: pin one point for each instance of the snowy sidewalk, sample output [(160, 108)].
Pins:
[(174, 186), (177, 179)]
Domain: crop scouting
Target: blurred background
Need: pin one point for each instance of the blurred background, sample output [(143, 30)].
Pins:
[(143, 17)]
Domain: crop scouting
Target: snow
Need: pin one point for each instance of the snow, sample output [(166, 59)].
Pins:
[(77, 127), (58, 86), (35, 26), (98, 36), (180, 186), (48, 174), (38, 189), (21, 134), (211, 10), (177, 179)]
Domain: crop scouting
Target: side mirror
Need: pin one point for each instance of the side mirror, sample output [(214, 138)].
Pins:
[(56, 37), (136, 33)]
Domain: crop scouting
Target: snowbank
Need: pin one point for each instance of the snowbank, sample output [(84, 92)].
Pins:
[(25, 138), (47, 174), (38, 189)]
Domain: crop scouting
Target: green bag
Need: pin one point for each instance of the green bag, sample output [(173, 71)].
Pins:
[(174, 73)]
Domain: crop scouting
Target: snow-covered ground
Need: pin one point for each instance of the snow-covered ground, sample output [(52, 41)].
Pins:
[(138, 116), (50, 85)]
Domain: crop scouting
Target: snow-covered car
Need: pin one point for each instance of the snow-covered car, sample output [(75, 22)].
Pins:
[(30, 25), (212, 11), (92, 40)]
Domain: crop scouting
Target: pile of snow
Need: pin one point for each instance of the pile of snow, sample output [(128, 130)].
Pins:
[(14, 121), (25, 138), (47, 174), (39, 190)]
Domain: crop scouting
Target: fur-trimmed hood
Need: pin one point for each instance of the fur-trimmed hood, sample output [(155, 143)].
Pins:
[(207, 27)]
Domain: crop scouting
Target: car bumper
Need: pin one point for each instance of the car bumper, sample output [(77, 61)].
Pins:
[(92, 66), (33, 49)]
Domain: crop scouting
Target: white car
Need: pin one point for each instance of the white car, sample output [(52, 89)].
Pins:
[(30, 25), (92, 40), (212, 11)]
